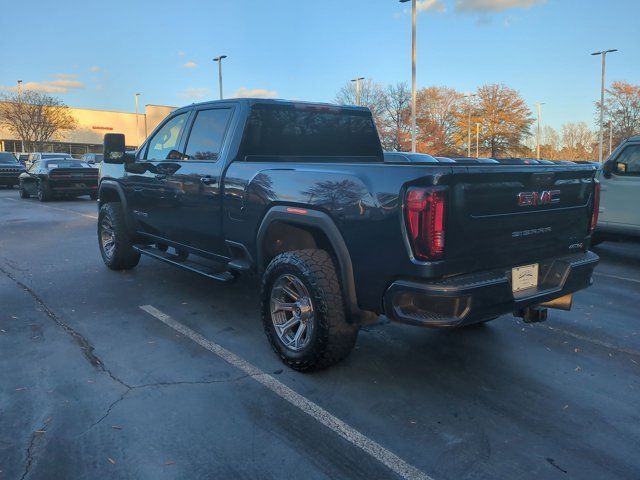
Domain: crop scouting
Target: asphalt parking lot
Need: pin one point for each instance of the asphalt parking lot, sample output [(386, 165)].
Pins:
[(94, 386)]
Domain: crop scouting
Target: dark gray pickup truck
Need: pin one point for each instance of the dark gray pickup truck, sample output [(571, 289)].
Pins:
[(299, 194)]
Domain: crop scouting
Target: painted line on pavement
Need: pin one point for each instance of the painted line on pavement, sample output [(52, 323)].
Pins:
[(94, 217), (617, 277), (350, 434), (595, 341)]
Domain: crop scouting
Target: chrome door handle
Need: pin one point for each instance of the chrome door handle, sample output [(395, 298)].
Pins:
[(208, 180)]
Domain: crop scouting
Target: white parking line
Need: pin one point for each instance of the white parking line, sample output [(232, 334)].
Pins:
[(596, 341), (94, 217), (617, 277), (353, 436)]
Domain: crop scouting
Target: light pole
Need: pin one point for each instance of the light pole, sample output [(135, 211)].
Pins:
[(137, 95), (610, 136), (20, 98), (413, 73), (539, 107), (477, 140), (357, 80), (219, 60), (468, 96), (604, 56)]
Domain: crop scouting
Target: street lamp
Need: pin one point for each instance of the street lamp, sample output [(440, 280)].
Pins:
[(413, 73), (20, 98), (468, 96), (477, 140), (219, 60), (539, 107), (604, 55), (357, 80), (137, 95)]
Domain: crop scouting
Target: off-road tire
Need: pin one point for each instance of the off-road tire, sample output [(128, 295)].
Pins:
[(23, 192), (333, 338), (123, 257)]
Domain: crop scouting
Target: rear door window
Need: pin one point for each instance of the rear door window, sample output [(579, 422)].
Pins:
[(207, 134)]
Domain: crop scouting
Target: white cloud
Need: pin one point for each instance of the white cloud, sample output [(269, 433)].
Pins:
[(195, 93), (243, 92), (190, 65), (494, 5), (94, 69), (430, 5), (63, 83)]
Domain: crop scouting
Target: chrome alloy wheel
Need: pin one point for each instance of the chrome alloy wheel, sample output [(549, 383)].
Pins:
[(107, 236), (292, 312)]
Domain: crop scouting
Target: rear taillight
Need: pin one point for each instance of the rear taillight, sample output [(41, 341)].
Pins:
[(424, 216), (596, 206)]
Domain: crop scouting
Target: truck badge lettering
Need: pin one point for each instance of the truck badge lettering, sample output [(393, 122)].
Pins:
[(545, 197)]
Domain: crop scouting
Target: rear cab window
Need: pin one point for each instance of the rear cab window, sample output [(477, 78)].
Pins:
[(310, 133)]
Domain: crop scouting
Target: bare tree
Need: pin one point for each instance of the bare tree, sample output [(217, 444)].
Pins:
[(35, 117), (371, 96), (505, 118), (438, 109), (577, 141), (622, 107), (395, 128)]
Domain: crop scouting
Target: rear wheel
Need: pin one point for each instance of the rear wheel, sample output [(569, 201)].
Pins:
[(44, 194), (23, 192), (303, 311), (116, 246)]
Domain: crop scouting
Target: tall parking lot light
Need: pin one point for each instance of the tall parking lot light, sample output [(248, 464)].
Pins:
[(137, 95), (468, 97), (357, 80), (604, 62), (20, 97), (413, 73), (538, 133), (477, 140), (219, 60)]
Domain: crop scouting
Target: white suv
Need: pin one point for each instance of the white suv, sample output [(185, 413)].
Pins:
[(620, 193)]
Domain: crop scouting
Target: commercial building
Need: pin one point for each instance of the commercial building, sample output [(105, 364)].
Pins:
[(91, 127)]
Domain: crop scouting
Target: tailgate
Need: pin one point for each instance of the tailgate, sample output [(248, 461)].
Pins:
[(501, 216)]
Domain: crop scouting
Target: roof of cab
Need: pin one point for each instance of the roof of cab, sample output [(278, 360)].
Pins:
[(274, 101)]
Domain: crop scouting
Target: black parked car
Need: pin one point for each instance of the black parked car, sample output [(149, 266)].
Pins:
[(10, 169), (47, 178)]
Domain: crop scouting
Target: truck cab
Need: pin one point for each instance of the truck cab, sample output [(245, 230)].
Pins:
[(620, 197)]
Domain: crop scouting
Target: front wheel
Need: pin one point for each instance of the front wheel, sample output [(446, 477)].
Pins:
[(303, 311), (116, 246)]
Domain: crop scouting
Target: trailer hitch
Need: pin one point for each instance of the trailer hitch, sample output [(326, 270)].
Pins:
[(533, 314)]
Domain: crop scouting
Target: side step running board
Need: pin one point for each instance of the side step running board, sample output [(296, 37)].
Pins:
[(204, 270)]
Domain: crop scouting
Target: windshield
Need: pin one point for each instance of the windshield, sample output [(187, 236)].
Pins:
[(66, 163), (7, 158)]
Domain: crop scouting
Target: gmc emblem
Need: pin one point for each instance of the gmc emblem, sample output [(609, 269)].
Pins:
[(545, 197)]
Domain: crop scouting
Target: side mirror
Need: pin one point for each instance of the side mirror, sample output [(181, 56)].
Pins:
[(606, 169), (114, 149)]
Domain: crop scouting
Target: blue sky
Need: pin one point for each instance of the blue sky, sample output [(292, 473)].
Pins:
[(98, 54)]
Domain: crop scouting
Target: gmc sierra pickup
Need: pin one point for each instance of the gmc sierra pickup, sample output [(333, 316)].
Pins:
[(299, 193)]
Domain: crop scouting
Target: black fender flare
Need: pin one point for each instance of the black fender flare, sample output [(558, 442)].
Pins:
[(115, 186), (323, 222)]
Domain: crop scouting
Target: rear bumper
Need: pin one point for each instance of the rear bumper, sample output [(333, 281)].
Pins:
[(467, 299), (64, 188)]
